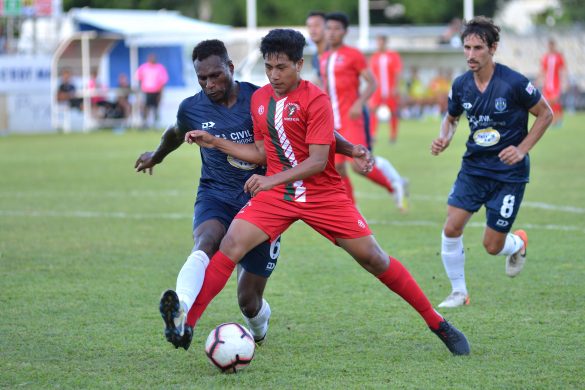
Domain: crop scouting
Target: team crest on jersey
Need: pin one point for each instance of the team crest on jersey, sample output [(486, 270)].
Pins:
[(530, 88), (290, 111), (500, 104), (261, 110)]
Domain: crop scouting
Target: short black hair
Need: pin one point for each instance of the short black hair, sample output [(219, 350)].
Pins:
[(484, 28), (208, 48), (316, 13), (283, 40), (339, 17)]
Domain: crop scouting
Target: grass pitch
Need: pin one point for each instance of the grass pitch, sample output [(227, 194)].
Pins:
[(87, 246)]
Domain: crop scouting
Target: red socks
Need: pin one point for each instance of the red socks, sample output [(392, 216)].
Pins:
[(398, 279), (378, 177), (217, 274)]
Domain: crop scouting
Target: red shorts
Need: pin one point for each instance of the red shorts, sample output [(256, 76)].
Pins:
[(333, 218)]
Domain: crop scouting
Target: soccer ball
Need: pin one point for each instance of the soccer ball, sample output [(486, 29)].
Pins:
[(230, 347)]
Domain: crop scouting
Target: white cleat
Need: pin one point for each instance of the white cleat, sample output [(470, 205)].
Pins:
[(455, 299), (515, 262)]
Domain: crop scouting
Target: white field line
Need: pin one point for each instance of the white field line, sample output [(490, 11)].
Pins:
[(169, 193), (185, 216)]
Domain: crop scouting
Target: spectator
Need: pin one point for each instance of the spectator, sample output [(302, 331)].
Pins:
[(152, 77), (67, 93), (452, 35)]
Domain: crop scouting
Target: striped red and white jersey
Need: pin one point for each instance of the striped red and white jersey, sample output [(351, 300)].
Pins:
[(386, 66), (341, 70), (288, 125)]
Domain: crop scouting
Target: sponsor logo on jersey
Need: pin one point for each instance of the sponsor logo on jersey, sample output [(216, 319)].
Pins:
[(246, 205), (467, 105), (486, 137), (207, 125), (500, 104), (361, 224), (530, 88), (261, 110), (246, 166)]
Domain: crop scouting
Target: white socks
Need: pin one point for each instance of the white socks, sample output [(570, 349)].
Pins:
[(388, 170), (259, 324), (190, 278), (453, 255), (512, 245)]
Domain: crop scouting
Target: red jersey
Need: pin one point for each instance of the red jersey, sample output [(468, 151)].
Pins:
[(552, 64), (288, 125), (386, 67), (341, 71)]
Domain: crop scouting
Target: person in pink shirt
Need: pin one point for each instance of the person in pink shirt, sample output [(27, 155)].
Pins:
[(152, 77)]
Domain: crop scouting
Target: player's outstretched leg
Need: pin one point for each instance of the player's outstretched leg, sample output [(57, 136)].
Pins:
[(174, 316), (399, 280), (515, 262), (453, 338), (258, 324)]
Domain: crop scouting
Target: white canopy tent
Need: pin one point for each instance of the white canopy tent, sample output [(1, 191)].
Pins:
[(99, 29)]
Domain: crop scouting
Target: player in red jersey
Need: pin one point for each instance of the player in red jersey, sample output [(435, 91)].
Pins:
[(386, 66), (552, 77), (342, 69), (293, 133)]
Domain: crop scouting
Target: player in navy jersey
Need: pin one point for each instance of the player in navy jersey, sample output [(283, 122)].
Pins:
[(495, 167), (223, 109)]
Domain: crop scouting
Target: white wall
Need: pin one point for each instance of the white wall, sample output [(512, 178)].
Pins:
[(25, 90)]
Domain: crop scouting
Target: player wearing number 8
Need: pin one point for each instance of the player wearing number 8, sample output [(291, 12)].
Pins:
[(496, 166)]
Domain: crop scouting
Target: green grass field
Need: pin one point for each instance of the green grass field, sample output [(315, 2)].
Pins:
[(87, 245)]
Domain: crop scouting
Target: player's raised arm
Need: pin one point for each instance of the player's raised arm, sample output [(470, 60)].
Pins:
[(448, 127), (251, 153), (171, 139)]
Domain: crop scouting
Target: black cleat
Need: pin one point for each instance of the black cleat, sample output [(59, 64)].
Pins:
[(176, 331), (453, 338)]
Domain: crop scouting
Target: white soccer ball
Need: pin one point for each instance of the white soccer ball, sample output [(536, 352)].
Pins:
[(230, 347)]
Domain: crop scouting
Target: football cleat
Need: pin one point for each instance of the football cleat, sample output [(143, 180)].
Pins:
[(174, 316), (455, 299), (515, 262), (453, 338)]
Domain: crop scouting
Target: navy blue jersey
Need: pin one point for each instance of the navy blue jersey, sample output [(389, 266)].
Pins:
[(498, 118), (222, 176)]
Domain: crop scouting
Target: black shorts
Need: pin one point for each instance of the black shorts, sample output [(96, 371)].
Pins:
[(262, 259), (152, 99), (501, 200)]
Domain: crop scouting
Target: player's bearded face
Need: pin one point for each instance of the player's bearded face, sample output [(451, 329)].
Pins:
[(283, 73), (214, 77)]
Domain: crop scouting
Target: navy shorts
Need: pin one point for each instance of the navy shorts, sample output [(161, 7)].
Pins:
[(501, 200), (262, 259)]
